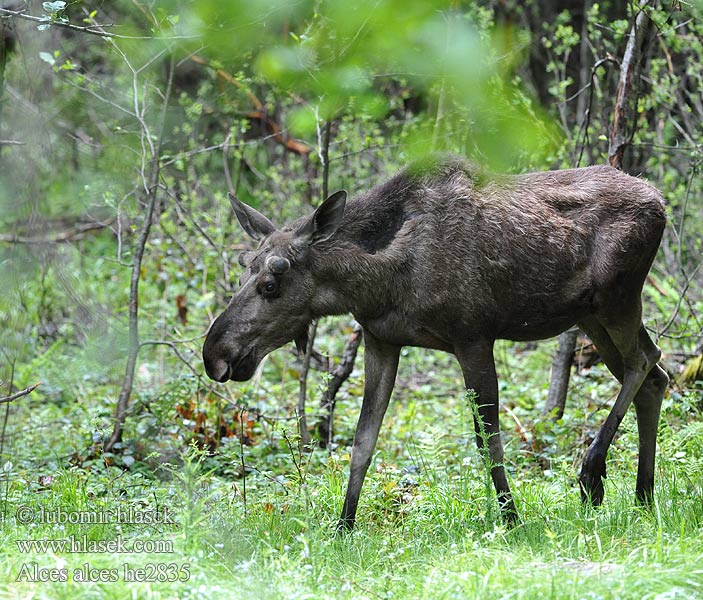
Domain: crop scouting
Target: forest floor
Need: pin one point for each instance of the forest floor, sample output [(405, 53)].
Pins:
[(187, 525)]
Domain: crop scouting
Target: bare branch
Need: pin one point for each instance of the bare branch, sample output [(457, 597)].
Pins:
[(176, 351), (338, 376), (259, 113), (682, 296), (20, 394), (98, 30), (302, 394), (59, 238)]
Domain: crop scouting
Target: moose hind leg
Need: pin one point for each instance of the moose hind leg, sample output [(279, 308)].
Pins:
[(631, 356), (479, 374), (648, 402)]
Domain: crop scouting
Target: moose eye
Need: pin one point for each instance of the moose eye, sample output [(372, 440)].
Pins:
[(269, 289)]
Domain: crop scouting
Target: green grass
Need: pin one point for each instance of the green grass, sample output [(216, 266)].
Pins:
[(430, 539), (427, 524), (438, 547)]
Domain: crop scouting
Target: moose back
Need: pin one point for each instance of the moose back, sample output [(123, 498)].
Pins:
[(442, 256)]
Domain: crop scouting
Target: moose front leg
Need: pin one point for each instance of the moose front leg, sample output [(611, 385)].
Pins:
[(381, 366), (477, 364)]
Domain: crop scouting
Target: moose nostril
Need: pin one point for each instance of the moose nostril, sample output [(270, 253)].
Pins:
[(219, 370)]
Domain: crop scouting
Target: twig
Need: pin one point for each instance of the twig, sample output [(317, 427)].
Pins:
[(151, 189), (259, 113), (271, 479), (187, 154), (97, 30), (524, 434), (173, 347), (326, 160), (11, 361), (225, 165), (296, 461), (678, 234), (244, 466), (682, 295), (60, 238), (187, 210), (24, 392), (585, 123), (225, 76)]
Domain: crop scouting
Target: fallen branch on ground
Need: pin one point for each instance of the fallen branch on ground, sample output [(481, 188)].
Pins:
[(60, 238)]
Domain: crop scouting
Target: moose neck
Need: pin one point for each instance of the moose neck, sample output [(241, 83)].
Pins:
[(360, 269), (351, 280)]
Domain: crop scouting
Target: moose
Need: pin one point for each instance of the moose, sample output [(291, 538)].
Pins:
[(446, 256)]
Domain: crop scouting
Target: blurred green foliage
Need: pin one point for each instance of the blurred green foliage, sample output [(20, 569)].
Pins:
[(515, 85), (511, 84)]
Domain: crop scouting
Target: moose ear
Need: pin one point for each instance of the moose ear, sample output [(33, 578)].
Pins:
[(252, 221), (325, 221)]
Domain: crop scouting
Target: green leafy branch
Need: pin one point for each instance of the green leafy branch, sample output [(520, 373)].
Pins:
[(54, 14)]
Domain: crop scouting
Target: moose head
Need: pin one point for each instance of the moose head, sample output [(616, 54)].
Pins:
[(274, 302)]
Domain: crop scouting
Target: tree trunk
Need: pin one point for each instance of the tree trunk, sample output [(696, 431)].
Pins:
[(6, 43), (133, 350), (324, 143), (621, 133), (625, 111), (560, 373)]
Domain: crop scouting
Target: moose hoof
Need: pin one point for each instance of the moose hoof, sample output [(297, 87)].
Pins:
[(592, 490), (510, 517), (344, 527), (644, 498), (591, 481), (508, 512)]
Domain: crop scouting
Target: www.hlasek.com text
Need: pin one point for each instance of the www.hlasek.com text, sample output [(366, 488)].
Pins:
[(81, 545)]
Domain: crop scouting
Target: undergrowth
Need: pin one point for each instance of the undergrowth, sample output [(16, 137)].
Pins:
[(427, 522)]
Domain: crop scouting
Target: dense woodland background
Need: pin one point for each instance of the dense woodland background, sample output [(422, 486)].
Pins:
[(124, 124)]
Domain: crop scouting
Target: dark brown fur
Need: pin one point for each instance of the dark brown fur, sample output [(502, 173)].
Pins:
[(442, 256)]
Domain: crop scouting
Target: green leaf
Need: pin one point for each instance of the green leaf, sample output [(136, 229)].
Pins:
[(45, 56), (53, 7), (301, 121)]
